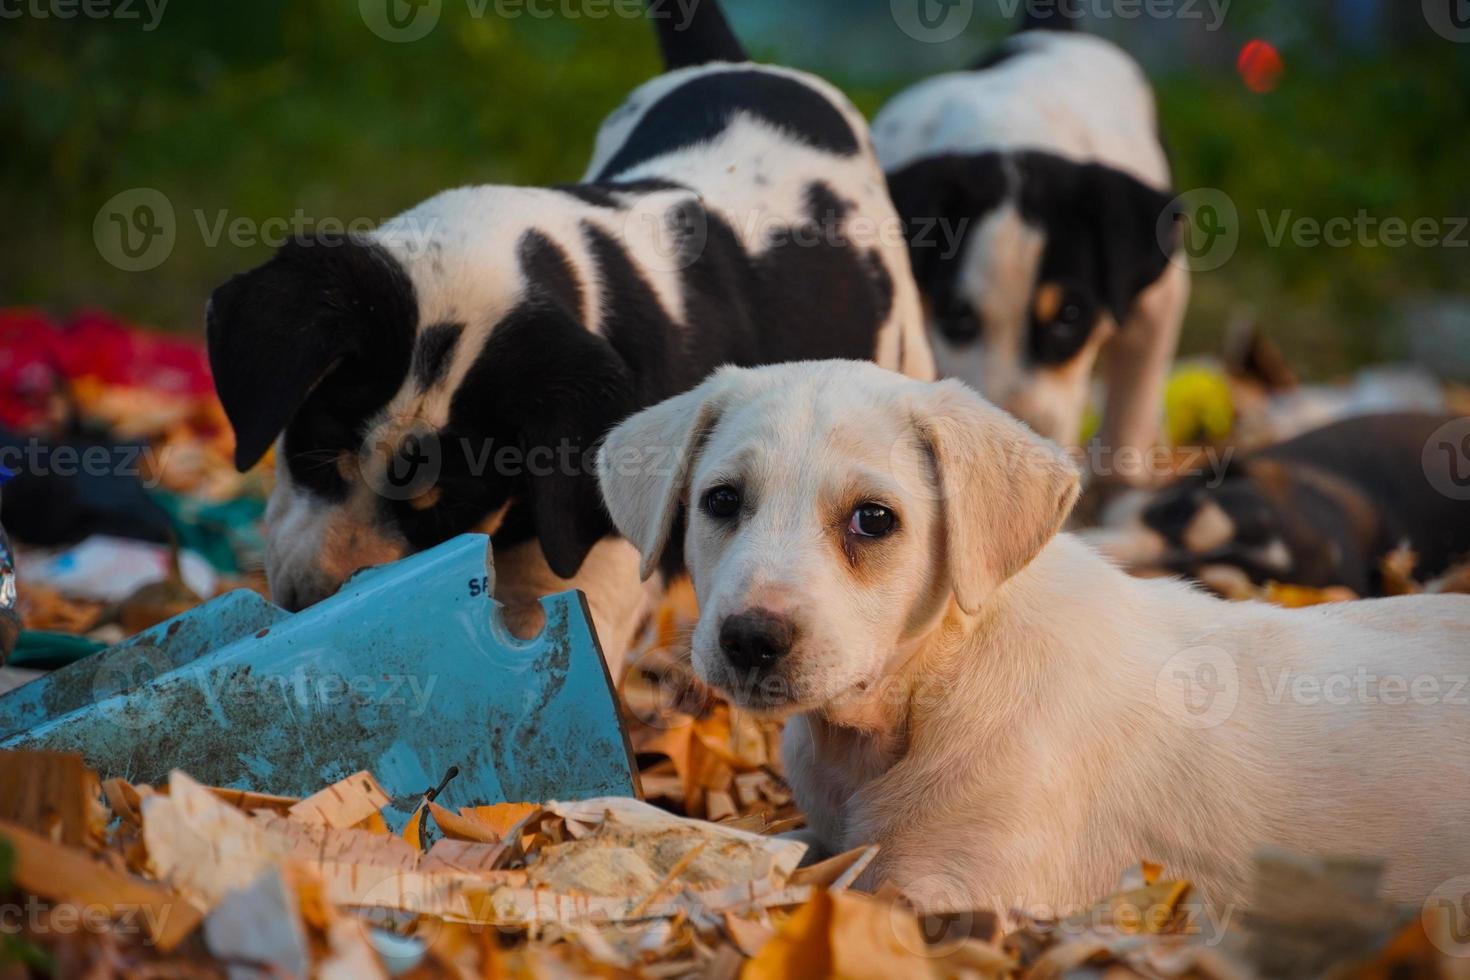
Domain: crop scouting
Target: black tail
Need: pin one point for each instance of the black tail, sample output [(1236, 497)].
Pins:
[(1051, 15), (694, 34)]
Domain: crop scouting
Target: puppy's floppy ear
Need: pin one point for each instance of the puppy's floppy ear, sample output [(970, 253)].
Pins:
[(277, 331), (546, 383), (940, 197), (1136, 229), (592, 392), (1004, 491), (645, 464)]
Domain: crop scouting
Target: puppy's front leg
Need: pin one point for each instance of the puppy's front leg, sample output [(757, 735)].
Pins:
[(1136, 366)]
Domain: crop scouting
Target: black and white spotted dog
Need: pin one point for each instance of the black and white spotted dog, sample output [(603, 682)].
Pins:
[(1033, 187), (452, 370)]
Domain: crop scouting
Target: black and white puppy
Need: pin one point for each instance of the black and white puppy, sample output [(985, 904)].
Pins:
[(1033, 187), (1319, 510), (452, 370)]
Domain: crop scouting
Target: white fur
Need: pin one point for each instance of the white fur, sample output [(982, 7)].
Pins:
[(1015, 735), (1075, 95)]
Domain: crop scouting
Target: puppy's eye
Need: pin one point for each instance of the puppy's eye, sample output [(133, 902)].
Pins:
[(721, 503), (871, 521)]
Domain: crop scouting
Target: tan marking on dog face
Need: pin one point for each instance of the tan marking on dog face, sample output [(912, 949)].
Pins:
[(427, 499), (1210, 528), (1048, 302)]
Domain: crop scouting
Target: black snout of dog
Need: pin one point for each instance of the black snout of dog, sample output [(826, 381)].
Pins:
[(756, 639)]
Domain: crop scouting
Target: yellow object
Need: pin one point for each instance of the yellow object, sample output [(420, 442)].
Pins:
[(1198, 407)]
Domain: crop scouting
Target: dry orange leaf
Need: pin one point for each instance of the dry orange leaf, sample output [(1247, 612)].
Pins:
[(502, 816), (345, 803), (1301, 596), (53, 794), (63, 874), (845, 936), (457, 827)]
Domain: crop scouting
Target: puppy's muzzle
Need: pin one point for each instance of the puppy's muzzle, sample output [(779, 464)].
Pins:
[(756, 639)]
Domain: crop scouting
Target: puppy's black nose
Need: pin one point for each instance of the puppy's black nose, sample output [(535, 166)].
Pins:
[(756, 638)]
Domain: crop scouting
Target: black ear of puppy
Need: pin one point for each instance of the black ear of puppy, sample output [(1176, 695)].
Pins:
[(940, 197), (276, 331), (1135, 241), (566, 505), (545, 382)]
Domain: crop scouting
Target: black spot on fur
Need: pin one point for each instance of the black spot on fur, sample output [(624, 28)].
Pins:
[(645, 336), (433, 351), (312, 342), (702, 108), (549, 273), (825, 206)]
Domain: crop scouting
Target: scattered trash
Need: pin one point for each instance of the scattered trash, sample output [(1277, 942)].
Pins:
[(407, 671), (107, 569)]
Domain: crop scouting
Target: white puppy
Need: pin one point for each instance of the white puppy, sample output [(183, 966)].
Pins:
[(1012, 718)]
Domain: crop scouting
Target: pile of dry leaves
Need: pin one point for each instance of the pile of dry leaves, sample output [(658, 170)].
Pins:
[(102, 879)]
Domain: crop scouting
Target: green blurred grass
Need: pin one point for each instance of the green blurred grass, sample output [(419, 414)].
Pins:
[(279, 107)]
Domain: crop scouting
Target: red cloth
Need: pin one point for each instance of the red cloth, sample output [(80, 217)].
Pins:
[(37, 352)]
